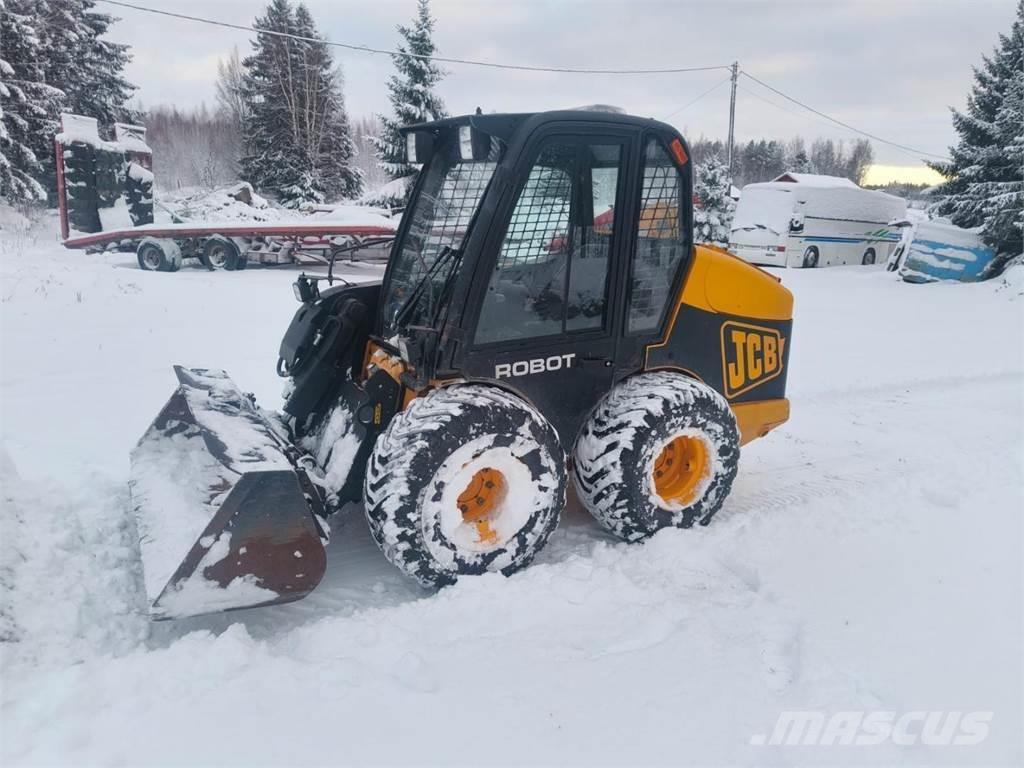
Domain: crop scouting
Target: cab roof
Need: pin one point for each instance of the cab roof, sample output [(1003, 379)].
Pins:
[(504, 125)]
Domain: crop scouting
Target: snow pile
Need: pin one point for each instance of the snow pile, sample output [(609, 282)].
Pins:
[(12, 221), (867, 559), (236, 203), (391, 195)]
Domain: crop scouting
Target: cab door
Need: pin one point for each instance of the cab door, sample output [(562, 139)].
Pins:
[(546, 319)]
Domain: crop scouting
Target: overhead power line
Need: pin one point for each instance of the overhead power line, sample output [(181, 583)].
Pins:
[(849, 127), (443, 59), (690, 103)]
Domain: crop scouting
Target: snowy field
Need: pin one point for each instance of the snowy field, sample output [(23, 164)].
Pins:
[(869, 558)]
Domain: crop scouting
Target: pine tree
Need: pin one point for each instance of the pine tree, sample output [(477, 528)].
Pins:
[(984, 184), (298, 143), (270, 161), (411, 92), (714, 209), (324, 130), (88, 69), (801, 163), (27, 103)]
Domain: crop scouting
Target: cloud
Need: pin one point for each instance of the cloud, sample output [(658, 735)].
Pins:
[(891, 68)]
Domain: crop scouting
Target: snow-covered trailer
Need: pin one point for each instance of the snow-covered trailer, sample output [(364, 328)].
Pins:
[(785, 224), (937, 250), (105, 201)]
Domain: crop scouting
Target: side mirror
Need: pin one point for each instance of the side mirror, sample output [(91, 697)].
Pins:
[(796, 224)]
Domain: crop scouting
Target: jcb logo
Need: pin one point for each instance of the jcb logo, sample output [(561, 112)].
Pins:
[(751, 355)]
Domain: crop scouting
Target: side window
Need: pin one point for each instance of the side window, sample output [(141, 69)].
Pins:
[(551, 273), (661, 241)]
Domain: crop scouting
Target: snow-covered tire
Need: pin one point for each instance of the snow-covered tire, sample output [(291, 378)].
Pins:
[(643, 422), (419, 504), (219, 252), (811, 257), (158, 254), (868, 258)]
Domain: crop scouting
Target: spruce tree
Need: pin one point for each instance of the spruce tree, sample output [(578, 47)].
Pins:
[(324, 132), (270, 160), (88, 69), (712, 216), (298, 143), (27, 103), (984, 184), (800, 163), (79, 61), (411, 92)]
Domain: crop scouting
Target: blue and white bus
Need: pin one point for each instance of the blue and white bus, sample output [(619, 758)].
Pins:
[(797, 224)]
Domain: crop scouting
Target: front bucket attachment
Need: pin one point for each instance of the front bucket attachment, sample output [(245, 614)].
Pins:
[(224, 517)]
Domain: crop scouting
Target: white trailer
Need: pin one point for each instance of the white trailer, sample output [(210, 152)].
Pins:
[(788, 224)]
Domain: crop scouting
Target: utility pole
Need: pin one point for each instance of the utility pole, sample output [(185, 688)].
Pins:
[(732, 113)]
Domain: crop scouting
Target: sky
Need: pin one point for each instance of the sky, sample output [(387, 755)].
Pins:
[(889, 67)]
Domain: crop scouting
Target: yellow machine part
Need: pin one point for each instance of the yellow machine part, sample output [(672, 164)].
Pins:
[(722, 283)]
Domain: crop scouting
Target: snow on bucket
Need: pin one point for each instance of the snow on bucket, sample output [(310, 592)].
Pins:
[(224, 517)]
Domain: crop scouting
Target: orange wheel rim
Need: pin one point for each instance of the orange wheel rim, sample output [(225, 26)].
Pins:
[(679, 469), (480, 501)]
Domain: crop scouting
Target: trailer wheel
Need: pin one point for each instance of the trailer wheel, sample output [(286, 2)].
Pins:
[(158, 254), (219, 252), (811, 257), (869, 257), (467, 480), (659, 450)]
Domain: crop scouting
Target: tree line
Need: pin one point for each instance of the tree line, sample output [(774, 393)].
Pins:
[(281, 121), (765, 159)]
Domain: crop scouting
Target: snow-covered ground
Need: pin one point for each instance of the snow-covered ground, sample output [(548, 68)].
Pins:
[(868, 559)]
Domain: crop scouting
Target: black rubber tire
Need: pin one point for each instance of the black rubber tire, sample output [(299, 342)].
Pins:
[(616, 450), (165, 253), (414, 469), (151, 257), (868, 257), (219, 252), (811, 256)]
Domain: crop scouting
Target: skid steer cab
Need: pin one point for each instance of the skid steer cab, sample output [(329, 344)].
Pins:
[(544, 311)]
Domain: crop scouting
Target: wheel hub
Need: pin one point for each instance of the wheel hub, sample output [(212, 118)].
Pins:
[(680, 468), (218, 256), (151, 258), (481, 502)]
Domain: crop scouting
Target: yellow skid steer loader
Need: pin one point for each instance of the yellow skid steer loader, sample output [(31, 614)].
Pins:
[(544, 309)]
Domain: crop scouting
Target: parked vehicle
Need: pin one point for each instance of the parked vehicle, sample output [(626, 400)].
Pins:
[(519, 333), (797, 224), (105, 202), (937, 250)]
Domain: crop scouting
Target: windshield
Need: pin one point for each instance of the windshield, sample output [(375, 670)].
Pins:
[(440, 217)]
